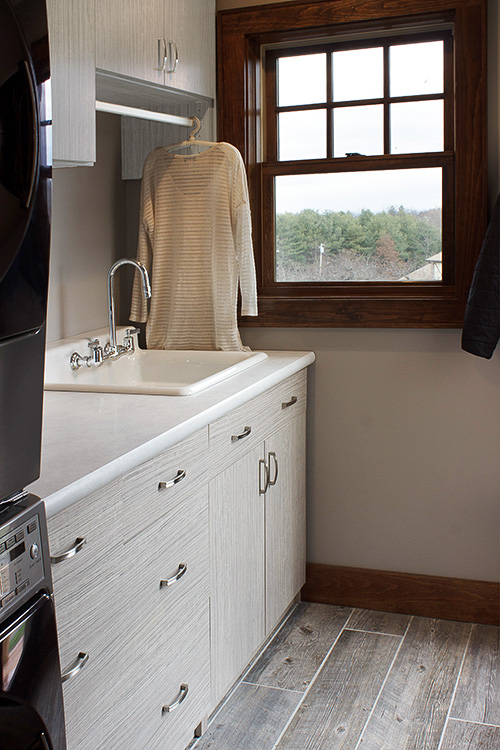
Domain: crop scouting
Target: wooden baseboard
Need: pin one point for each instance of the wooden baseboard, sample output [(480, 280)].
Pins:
[(405, 593)]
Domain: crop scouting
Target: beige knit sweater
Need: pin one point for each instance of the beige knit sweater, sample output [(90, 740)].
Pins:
[(195, 240)]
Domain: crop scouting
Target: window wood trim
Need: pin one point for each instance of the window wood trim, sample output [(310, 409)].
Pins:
[(241, 32)]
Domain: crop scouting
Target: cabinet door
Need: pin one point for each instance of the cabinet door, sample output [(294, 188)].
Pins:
[(72, 64), (85, 547), (127, 34), (190, 26), (237, 569), (285, 518)]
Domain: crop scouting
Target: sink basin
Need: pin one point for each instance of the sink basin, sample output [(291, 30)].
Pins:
[(164, 372)]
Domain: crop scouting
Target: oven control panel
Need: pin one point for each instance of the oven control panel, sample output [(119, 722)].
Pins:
[(21, 559)]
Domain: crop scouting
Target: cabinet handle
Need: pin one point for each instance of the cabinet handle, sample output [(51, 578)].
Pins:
[(169, 581), (75, 667), (292, 401), (181, 474), (175, 57), (246, 432), (263, 469), (80, 542), (182, 694), (272, 455), (162, 55)]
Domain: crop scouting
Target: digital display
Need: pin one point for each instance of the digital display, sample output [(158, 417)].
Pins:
[(17, 551)]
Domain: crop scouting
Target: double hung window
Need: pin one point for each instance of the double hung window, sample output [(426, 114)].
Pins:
[(364, 138)]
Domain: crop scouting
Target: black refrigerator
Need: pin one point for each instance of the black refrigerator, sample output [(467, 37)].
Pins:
[(25, 209)]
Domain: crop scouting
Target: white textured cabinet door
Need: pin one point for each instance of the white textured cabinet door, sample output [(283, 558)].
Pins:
[(127, 34), (237, 569), (72, 64), (89, 609), (190, 24), (285, 518)]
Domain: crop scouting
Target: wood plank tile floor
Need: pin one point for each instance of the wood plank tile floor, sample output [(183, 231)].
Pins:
[(336, 678)]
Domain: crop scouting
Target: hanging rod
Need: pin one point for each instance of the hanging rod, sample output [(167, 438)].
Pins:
[(145, 114)]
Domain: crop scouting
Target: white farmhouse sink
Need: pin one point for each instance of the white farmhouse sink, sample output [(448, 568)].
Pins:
[(167, 372)]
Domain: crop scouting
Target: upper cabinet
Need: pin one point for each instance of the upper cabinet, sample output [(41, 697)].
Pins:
[(129, 38), (166, 42), (72, 62), (154, 54), (190, 42)]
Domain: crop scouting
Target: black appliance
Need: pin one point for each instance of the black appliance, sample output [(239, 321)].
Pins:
[(31, 705), (25, 198)]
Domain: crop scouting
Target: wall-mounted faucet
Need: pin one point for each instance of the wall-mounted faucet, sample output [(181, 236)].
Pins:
[(112, 349)]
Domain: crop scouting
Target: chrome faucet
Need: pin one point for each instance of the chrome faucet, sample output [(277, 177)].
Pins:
[(112, 349)]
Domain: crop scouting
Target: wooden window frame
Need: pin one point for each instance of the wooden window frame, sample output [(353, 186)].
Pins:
[(242, 35)]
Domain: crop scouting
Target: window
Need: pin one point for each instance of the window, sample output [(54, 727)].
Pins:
[(363, 131)]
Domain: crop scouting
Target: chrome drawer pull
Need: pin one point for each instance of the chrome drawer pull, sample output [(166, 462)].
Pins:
[(182, 694), (272, 455), (169, 581), (75, 667), (181, 474), (246, 432), (292, 401), (80, 542)]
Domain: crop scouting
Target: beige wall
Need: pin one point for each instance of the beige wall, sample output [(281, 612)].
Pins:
[(88, 234), (403, 426)]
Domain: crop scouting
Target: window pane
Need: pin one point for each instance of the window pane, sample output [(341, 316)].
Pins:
[(417, 127), (416, 69), (359, 130), (301, 80), (302, 135), (359, 226), (358, 74)]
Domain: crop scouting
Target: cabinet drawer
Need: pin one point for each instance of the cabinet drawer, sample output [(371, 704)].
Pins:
[(180, 659), (233, 435), (165, 563), (155, 487), (85, 541)]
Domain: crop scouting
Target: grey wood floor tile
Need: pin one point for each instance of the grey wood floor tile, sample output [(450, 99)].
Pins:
[(296, 652), (460, 735), (478, 692), (378, 622), (338, 703), (252, 719), (411, 711)]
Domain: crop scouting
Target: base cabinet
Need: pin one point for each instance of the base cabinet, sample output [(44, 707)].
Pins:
[(257, 524), (168, 581)]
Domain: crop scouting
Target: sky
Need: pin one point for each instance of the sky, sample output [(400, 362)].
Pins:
[(418, 189)]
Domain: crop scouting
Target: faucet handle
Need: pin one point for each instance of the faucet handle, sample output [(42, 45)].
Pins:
[(132, 331), (97, 352)]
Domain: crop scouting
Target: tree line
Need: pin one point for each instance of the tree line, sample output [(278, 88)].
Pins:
[(341, 245)]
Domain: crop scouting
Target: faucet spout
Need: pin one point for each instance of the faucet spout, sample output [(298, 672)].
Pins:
[(146, 288)]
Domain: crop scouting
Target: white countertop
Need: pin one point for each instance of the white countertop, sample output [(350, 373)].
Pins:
[(90, 439)]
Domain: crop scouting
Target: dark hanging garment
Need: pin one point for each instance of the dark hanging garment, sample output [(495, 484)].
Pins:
[(481, 329)]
